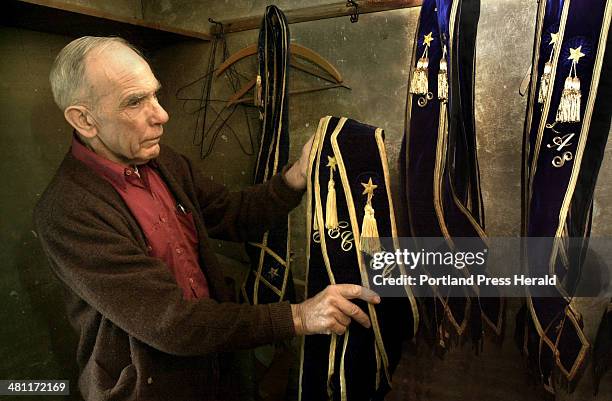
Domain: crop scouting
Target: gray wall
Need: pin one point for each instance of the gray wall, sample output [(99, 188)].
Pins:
[(373, 56)]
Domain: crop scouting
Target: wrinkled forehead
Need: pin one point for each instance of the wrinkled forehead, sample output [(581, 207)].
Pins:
[(110, 69)]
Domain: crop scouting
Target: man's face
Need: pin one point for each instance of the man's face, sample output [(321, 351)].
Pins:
[(128, 118)]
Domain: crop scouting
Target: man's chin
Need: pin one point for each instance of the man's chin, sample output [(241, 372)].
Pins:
[(151, 152)]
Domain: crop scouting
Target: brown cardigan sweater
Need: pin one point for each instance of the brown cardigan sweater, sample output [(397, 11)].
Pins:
[(139, 339)]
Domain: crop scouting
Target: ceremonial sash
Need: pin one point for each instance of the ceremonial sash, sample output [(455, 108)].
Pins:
[(566, 128), (439, 165), (349, 209), (270, 277)]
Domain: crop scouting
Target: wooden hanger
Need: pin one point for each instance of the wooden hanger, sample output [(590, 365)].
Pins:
[(301, 51), (295, 49), (237, 97), (239, 100)]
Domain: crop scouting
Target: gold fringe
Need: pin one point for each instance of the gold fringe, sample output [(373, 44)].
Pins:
[(443, 77), (545, 82), (370, 242), (419, 84), (569, 106), (369, 239), (443, 81), (545, 79), (331, 213)]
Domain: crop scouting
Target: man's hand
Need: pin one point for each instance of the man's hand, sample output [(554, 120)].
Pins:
[(296, 175), (330, 311)]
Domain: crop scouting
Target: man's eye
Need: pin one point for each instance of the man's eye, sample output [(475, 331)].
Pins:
[(134, 102)]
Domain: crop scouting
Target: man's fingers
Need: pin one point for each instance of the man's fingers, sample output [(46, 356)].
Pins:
[(308, 145), (306, 156), (351, 291), (337, 328), (353, 311), (342, 318)]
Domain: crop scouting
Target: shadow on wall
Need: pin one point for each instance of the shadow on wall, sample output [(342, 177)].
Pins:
[(46, 296), (54, 342)]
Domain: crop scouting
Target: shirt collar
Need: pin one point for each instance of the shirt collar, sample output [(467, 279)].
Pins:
[(114, 172)]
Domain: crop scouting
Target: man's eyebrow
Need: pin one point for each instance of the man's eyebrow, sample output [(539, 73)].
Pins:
[(140, 94), (134, 96)]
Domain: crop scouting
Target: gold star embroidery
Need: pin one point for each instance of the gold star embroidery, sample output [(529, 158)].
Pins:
[(576, 54), (331, 162), (427, 39), (369, 187), (554, 37), (273, 272)]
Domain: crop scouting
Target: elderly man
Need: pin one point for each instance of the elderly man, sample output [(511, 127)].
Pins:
[(125, 223)]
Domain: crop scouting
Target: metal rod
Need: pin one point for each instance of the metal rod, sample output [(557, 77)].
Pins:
[(314, 13)]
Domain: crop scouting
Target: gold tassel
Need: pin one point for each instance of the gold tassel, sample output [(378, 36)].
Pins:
[(443, 77), (331, 212), (569, 106), (370, 241), (545, 82), (419, 84), (545, 79)]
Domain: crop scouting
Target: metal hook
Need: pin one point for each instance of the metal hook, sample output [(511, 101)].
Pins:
[(219, 26), (355, 12)]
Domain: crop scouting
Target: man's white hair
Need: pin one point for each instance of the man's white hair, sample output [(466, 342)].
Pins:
[(67, 75)]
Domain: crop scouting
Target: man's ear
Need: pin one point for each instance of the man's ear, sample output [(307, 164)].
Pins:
[(81, 120)]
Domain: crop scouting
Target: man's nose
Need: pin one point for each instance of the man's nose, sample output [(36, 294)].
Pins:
[(160, 116)]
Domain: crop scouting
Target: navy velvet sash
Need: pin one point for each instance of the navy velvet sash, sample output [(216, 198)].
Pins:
[(561, 161), (439, 166), (270, 277), (357, 365)]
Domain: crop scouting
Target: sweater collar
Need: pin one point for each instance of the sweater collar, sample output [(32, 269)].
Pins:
[(114, 172)]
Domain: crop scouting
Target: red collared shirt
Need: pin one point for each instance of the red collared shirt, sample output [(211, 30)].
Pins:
[(168, 228)]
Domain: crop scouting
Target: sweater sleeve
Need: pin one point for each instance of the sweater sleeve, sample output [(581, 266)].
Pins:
[(102, 264), (244, 215)]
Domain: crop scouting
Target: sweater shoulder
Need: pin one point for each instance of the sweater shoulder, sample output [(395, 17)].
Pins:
[(178, 166), (60, 194), (171, 158), (73, 190)]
